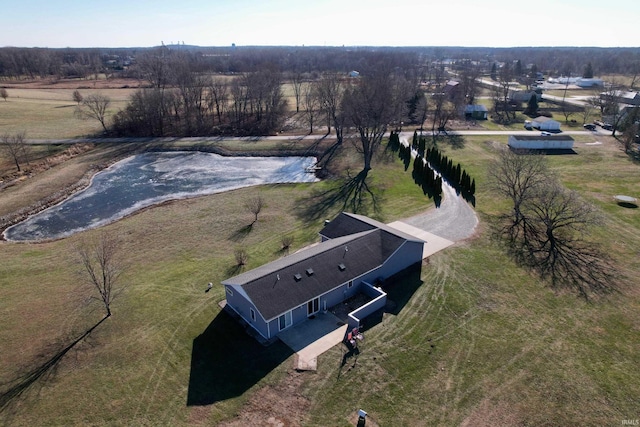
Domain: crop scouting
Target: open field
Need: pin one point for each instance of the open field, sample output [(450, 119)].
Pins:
[(474, 340), (49, 113)]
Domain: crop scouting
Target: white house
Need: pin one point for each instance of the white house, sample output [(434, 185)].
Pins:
[(628, 97), (540, 142), (545, 123), (586, 82)]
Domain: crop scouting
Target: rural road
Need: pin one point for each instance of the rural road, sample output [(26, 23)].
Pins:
[(196, 139)]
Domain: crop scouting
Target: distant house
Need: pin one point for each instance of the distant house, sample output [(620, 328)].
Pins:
[(451, 89), (545, 123), (476, 111), (541, 142), (627, 97), (524, 96), (588, 82), (354, 254)]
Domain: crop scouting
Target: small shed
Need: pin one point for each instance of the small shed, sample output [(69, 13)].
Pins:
[(541, 142), (476, 111), (545, 123)]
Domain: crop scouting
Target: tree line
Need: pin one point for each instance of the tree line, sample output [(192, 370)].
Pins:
[(16, 62)]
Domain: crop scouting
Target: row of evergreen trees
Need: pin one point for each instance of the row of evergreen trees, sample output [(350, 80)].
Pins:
[(419, 144), (455, 175), (428, 163), (427, 178), (423, 175)]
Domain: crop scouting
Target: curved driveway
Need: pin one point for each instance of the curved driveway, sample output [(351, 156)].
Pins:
[(454, 220), (442, 226)]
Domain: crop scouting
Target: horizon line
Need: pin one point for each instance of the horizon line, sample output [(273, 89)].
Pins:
[(324, 46)]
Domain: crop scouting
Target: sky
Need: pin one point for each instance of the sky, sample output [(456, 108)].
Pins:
[(491, 23)]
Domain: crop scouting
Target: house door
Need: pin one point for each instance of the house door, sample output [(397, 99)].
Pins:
[(313, 306)]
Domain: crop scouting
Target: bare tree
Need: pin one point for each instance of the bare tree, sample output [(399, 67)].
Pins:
[(4, 94), (610, 105), (310, 104), (501, 92), (548, 224), (16, 147), (297, 81), (77, 97), (630, 129), (371, 106), (154, 66), (218, 97), (331, 91), (286, 241), (443, 111), (254, 205), (567, 111), (102, 266), (95, 107), (469, 82), (421, 110), (557, 221), (588, 108), (517, 175), (241, 257)]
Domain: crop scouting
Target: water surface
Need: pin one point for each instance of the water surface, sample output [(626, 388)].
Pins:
[(151, 178)]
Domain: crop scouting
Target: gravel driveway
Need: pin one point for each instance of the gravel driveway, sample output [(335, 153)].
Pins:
[(454, 220)]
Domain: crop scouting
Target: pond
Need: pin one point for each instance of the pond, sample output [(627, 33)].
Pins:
[(147, 179)]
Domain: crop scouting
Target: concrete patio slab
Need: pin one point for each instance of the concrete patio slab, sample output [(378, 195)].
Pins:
[(432, 244), (313, 337)]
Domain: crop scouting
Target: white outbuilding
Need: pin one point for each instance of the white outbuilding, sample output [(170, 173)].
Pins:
[(545, 123), (540, 142)]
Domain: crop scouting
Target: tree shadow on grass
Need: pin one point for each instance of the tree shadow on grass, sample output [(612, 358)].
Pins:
[(455, 141), (226, 362), (351, 194), (234, 270), (241, 233), (25, 381)]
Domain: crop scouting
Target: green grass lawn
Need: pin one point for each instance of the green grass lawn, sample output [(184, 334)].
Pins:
[(474, 339), (45, 114)]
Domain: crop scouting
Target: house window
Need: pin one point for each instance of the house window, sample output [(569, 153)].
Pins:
[(284, 321), (229, 291), (253, 314), (350, 284)]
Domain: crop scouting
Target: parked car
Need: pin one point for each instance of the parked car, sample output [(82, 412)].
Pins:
[(589, 126), (543, 133), (607, 126)]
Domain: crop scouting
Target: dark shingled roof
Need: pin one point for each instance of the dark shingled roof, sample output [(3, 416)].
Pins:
[(344, 225), (348, 223), (359, 253)]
